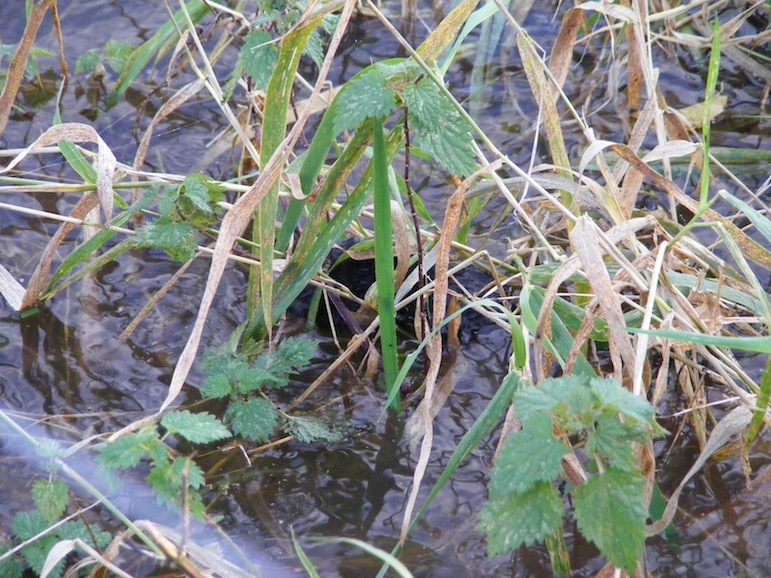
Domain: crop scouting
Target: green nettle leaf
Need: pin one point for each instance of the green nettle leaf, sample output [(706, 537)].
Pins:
[(10, 567), (366, 95), (197, 192), (546, 396), (50, 450), (25, 525), (613, 441), (514, 519), (198, 428), (168, 480), (128, 450), (259, 56), (167, 201), (87, 62), (611, 393), (77, 530), (315, 48), (217, 385), (179, 240), (51, 498), (35, 555), (118, 54), (529, 456), (312, 429), (291, 355), (610, 512), (438, 128), (254, 419)]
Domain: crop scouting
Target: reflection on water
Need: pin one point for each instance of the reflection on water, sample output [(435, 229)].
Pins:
[(67, 358)]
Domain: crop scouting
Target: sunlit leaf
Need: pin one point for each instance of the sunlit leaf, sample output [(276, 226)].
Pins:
[(367, 95), (438, 128), (199, 428), (118, 54)]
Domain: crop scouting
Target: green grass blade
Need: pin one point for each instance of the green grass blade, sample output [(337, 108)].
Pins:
[(384, 258), (761, 404), (706, 124), (277, 105), (754, 344), (531, 301), (70, 152), (304, 560), (166, 36), (385, 557)]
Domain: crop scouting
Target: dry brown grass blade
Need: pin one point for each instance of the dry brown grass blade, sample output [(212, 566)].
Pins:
[(105, 165), (562, 53), (19, 62), (539, 84), (240, 215), (11, 289), (172, 104), (562, 274), (41, 278), (426, 410), (753, 250), (585, 241)]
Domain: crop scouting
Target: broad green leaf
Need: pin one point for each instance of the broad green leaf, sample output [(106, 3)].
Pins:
[(292, 354), (196, 191), (529, 456), (25, 525), (259, 56), (438, 128), (254, 419), (178, 240), (610, 512), (610, 392), (516, 519), (118, 54), (366, 95), (87, 62), (51, 498), (217, 385), (128, 450), (198, 428), (312, 429), (613, 441), (10, 567), (546, 396), (168, 481)]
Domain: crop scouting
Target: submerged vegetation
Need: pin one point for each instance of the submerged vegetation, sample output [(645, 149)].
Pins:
[(635, 265)]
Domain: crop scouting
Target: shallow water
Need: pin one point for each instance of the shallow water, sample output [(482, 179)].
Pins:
[(67, 359)]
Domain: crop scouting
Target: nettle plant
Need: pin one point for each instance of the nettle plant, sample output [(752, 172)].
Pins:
[(242, 379), (525, 505)]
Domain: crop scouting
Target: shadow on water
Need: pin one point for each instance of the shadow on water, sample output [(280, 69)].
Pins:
[(67, 360)]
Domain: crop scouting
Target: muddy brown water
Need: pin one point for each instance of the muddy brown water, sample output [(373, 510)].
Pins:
[(67, 359)]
